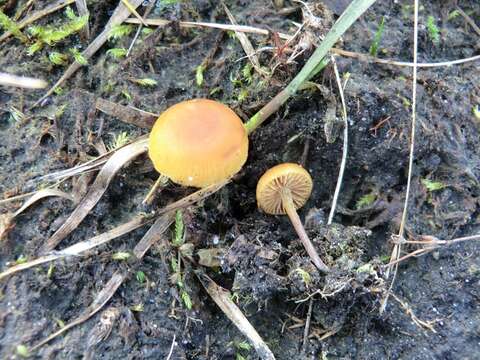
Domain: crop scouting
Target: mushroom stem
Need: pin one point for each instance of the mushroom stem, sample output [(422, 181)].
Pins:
[(289, 207)]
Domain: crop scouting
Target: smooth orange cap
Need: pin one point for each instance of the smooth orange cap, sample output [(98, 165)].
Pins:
[(288, 175), (198, 143)]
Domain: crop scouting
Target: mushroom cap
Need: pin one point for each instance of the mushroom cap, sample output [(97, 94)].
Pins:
[(275, 180), (198, 143)]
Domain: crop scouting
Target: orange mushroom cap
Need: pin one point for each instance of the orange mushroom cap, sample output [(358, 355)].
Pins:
[(198, 143), (284, 176)]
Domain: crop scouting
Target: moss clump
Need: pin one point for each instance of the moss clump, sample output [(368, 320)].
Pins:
[(50, 34)]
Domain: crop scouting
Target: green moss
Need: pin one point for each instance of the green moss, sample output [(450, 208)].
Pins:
[(8, 24), (120, 31), (178, 235), (199, 74), (366, 200), (77, 55), (117, 53), (146, 82), (431, 185), (57, 58), (433, 31), (377, 38), (52, 34)]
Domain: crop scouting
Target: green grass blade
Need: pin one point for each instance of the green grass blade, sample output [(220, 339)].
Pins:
[(349, 16)]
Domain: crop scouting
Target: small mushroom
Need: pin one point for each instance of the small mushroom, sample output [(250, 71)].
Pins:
[(198, 143), (282, 190)]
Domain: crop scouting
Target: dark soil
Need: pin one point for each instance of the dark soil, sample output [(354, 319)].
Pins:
[(261, 254)]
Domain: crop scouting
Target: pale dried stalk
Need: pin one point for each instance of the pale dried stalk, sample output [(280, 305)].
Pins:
[(222, 298), (112, 166), (40, 195), (397, 247), (102, 298), (137, 221), (21, 81), (345, 143), (83, 11), (259, 31), (246, 45)]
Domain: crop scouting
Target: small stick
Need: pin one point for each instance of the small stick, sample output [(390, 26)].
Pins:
[(160, 182), (131, 8), (171, 348), (222, 298), (469, 20), (307, 325), (345, 144), (82, 11), (140, 27), (397, 248), (21, 81), (345, 53), (102, 298)]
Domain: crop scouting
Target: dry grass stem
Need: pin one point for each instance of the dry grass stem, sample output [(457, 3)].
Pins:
[(154, 234), (80, 247), (408, 310), (127, 114), (131, 8), (246, 45), (162, 223), (222, 298), (469, 20), (21, 81), (83, 11), (40, 194), (345, 143), (102, 298), (345, 53), (397, 247), (139, 30), (111, 167)]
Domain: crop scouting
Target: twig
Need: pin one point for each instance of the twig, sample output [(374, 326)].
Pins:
[(369, 58), (469, 20), (345, 144), (409, 311), (83, 11), (431, 243), (21, 81), (307, 325), (246, 44), (161, 181), (171, 348), (140, 26), (127, 114), (223, 299), (259, 31), (131, 8), (102, 298), (397, 247), (226, 27)]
